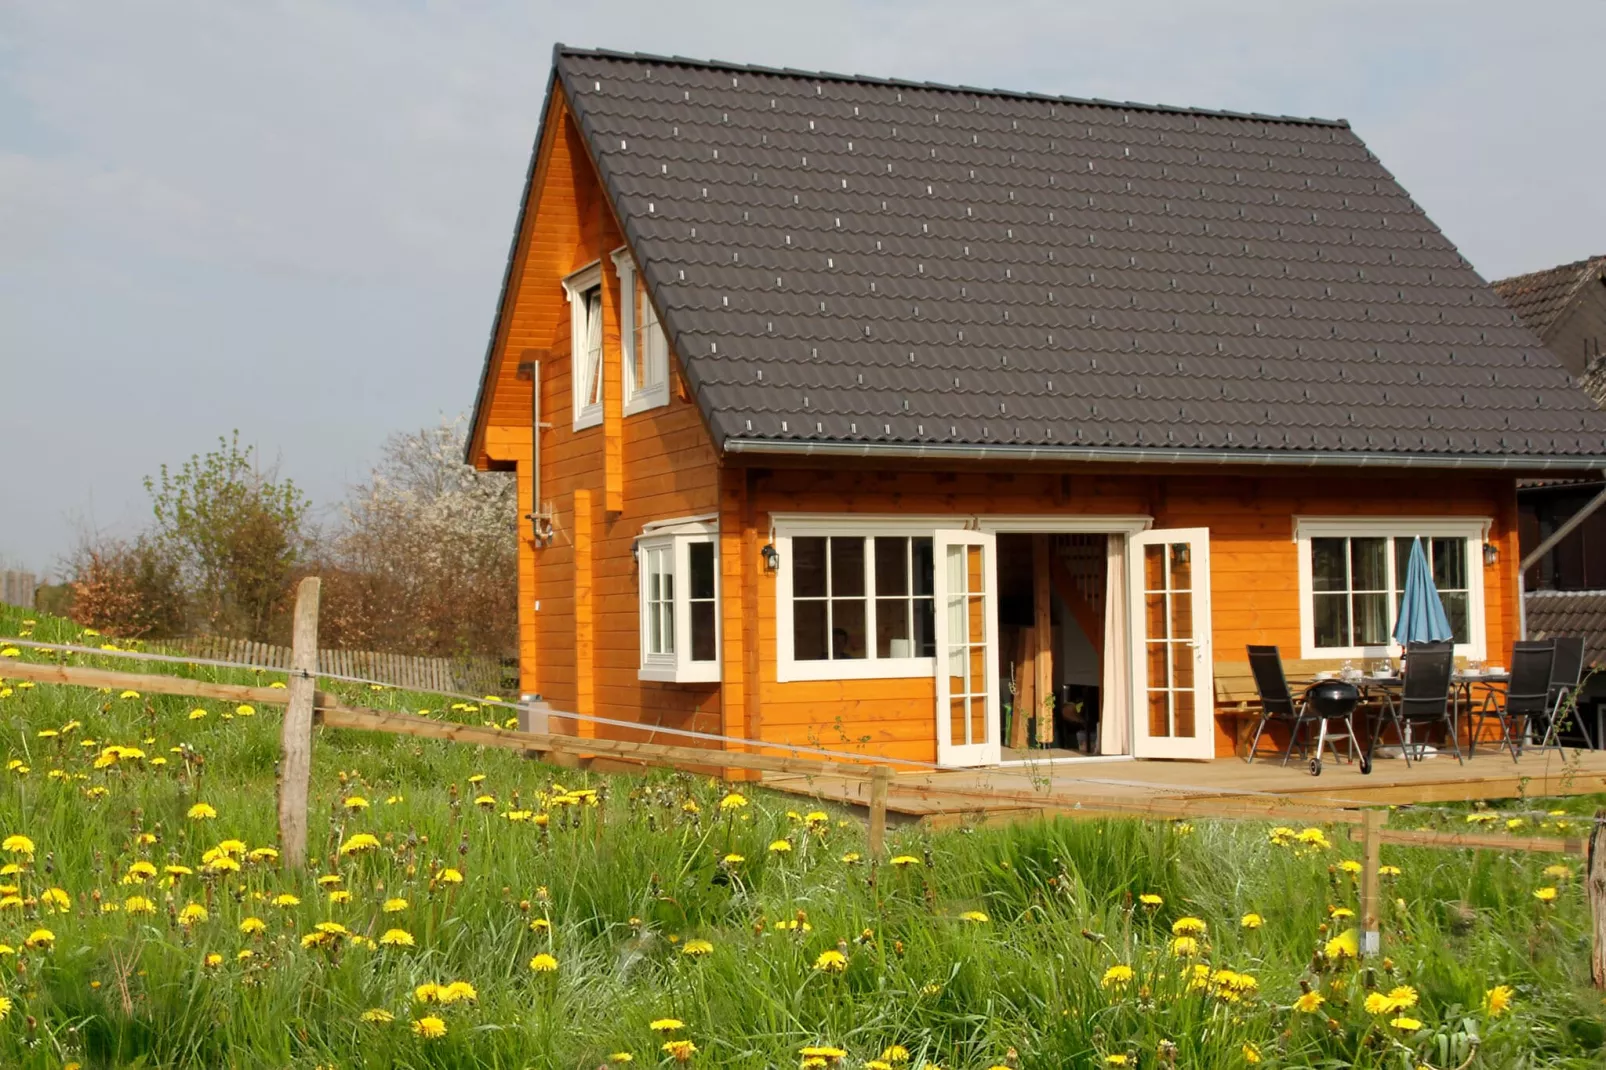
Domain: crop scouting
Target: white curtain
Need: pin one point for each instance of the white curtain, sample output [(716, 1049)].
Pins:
[(1115, 700)]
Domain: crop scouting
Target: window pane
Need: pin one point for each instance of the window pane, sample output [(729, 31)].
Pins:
[(925, 628), (847, 626), (1369, 564), (847, 568), (1449, 564), (808, 567), (1332, 619), (593, 355), (891, 566), (702, 631), (1327, 565), (1455, 607), (700, 560), (924, 566), (892, 628), (808, 630), (1371, 619)]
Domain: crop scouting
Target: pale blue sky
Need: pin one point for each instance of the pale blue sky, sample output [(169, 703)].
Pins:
[(291, 217)]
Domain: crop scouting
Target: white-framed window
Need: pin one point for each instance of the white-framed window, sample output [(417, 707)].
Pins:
[(584, 290), (678, 576), (1352, 577), (644, 346), (854, 600)]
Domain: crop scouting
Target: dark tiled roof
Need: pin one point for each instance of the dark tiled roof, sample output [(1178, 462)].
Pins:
[(1553, 614), (1540, 297), (861, 262)]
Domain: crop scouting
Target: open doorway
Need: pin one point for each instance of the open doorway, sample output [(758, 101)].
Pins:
[(1052, 590)]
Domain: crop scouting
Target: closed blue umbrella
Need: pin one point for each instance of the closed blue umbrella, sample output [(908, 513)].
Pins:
[(1422, 616)]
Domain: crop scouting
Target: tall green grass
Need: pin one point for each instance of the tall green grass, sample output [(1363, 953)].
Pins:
[(627, 881)]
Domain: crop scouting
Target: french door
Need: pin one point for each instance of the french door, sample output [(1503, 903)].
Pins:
[(967, 645), (1173, 692)]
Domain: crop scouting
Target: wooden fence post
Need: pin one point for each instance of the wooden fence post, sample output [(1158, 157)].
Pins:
[(880, 778), (1596, 876), (1371, 942), (295, 741)]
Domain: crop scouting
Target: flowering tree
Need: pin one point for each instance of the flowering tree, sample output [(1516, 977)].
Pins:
[(425, 556)]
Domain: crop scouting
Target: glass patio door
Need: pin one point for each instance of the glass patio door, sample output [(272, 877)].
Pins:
[(967, 648), (1173, 691)]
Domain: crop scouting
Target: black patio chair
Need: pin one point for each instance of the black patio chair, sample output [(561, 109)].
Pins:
[(1526, 699), (1277, 703), (1424, 699), (1566, 673)]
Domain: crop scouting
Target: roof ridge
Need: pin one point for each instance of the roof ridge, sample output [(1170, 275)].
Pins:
[(1577, 266), (561, 49)]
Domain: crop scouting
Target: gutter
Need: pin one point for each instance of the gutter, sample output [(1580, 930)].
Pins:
[(1139, 455)]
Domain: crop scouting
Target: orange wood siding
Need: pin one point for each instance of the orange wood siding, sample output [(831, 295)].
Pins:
[(580, 650), (1254, 565)]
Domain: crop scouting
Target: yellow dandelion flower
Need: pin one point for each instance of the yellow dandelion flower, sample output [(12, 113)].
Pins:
[(362, 841), (138, 905), (697, 948), (1346, 945), (1406, 1025), (18, 844), (1251, 921), (202, 812), (355, 802), (544, 963), (129, 694), (1117, 976), (1546, 894), (1188, 926), (377, 1014), (244, 710), (397, 938), (40, 940), (198, 714), (285, 899), (666, 1025), (212, 960), (831, 962), (734, 800), (1497, 1000), (1184, 946), (1149, 899), (1309, 1003), (974, 916), (56, 899), (252, 926), (458, 992), (429, 1027), (781, 846), (394, 905), (851, 858), (193, 914), (679, 1050), (904, 861), (449, 876)]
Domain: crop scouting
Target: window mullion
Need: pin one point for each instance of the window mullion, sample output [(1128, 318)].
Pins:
[(869, 599)]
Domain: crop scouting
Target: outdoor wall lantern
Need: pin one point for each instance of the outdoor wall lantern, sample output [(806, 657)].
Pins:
[(1180, 554), (772, 557), (1491, 554)]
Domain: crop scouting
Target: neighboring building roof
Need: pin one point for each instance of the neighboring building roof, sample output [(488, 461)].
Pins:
[(1540, 297), (854, 265), (1554, 614)]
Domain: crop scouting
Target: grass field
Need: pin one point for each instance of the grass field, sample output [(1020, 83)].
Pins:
[(469, 908)]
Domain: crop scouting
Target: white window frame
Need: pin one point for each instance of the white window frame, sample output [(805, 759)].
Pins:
[(634, 303), (1475, 530), (869, 667), (677, 536), (586, 413)]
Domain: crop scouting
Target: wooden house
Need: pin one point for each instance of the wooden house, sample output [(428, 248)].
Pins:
[(939, 423)]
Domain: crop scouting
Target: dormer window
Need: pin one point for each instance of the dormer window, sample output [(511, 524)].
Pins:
[(644, 346), (584, 289)]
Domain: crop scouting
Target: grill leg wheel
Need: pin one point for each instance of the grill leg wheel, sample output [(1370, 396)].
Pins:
[(1315, 767)]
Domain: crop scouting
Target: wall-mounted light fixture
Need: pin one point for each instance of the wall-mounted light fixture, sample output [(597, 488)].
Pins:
[(772, 557), (1181, 553), (635, 552), (1491, 554)]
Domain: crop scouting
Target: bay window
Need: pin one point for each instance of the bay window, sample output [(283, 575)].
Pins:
[(678, 579)]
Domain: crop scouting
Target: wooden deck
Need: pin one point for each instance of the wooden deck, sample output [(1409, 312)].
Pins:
[(1224, 787)]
